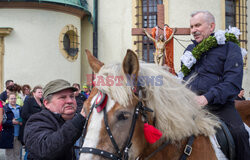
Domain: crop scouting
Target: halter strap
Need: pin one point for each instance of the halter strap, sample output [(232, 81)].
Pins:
[(187, 150), (85, 125), (131, 131), (99, 152), (157, 150), (139, 108), (110, 133)]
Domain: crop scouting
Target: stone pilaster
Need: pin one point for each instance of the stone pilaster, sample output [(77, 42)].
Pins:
[(3, 32)]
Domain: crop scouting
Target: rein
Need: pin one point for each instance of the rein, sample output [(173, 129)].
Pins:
[(186, 153), (119, 154)]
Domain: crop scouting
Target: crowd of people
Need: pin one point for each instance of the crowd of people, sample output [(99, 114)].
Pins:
[(49, 121), (19, 103)]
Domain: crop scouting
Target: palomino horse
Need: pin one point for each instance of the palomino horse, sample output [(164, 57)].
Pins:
[(121, 102), (243, 107)]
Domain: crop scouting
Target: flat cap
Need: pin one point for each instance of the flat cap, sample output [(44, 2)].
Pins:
[(56, 86)]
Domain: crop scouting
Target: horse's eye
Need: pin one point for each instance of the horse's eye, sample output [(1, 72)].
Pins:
[(122, 116)]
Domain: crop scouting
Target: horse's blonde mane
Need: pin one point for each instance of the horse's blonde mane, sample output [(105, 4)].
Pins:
[(177, 114)]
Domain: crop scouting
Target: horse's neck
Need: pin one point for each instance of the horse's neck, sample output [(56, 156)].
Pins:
[(201, 149), (171, 151)]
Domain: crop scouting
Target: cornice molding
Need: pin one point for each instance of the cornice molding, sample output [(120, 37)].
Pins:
[(46, 6), (5, 31)]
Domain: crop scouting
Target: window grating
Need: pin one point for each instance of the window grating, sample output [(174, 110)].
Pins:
[(70, 43), (146, 17)]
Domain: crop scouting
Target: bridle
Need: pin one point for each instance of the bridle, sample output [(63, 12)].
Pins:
[(120, 154), (123, 154)]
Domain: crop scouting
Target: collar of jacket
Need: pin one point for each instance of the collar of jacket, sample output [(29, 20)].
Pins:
[(56, 115)]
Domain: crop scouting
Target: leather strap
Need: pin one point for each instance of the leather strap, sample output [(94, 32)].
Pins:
[(188, 148), (99, 152)]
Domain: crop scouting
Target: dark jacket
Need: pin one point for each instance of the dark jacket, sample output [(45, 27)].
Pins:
[(3, 96), (48, 136), (7, 137), (219, 73), (240, 99), (80, 100), (30, 107)]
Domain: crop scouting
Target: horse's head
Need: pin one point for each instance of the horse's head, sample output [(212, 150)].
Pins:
[(113, 107)]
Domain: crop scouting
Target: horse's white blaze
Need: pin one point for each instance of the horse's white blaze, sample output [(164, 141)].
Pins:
[(94, 128)]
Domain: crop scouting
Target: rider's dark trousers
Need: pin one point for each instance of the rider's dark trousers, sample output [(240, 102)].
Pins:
[(232, 118)]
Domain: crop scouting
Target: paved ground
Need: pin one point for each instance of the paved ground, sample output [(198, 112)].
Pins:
[(2, 154)]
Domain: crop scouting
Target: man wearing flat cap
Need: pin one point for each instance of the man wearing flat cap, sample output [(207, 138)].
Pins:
[(51, 133)]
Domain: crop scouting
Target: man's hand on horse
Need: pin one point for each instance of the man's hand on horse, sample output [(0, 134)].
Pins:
[(201, 100)]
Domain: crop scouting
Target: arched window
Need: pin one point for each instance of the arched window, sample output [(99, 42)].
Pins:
[(69, 42)]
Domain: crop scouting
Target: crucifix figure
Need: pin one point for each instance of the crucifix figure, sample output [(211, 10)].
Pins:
[(169, 61), (160, 46)]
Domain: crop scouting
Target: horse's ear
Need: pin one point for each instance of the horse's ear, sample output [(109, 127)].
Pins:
[(94, 63), (130, 65)]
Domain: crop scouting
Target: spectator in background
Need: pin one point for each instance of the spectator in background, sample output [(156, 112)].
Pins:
[(1, 116), (25, 92), (80, 98), (9, 139), (85, 91), (240, 96), (3, 95), (15, 89), (32, 105)]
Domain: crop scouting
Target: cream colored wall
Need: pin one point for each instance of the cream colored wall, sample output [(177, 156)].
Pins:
[(32, 50), (87, 43), (114, 29)]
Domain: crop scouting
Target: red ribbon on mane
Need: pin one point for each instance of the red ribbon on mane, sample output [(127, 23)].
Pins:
[(151, 134)]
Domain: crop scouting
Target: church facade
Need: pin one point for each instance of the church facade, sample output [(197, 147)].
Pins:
[(41, 40)]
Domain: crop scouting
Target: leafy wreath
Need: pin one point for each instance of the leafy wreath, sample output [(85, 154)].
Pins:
[(220, 37)]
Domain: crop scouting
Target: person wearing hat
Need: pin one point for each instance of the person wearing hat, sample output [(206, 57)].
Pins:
[(51, 133)]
